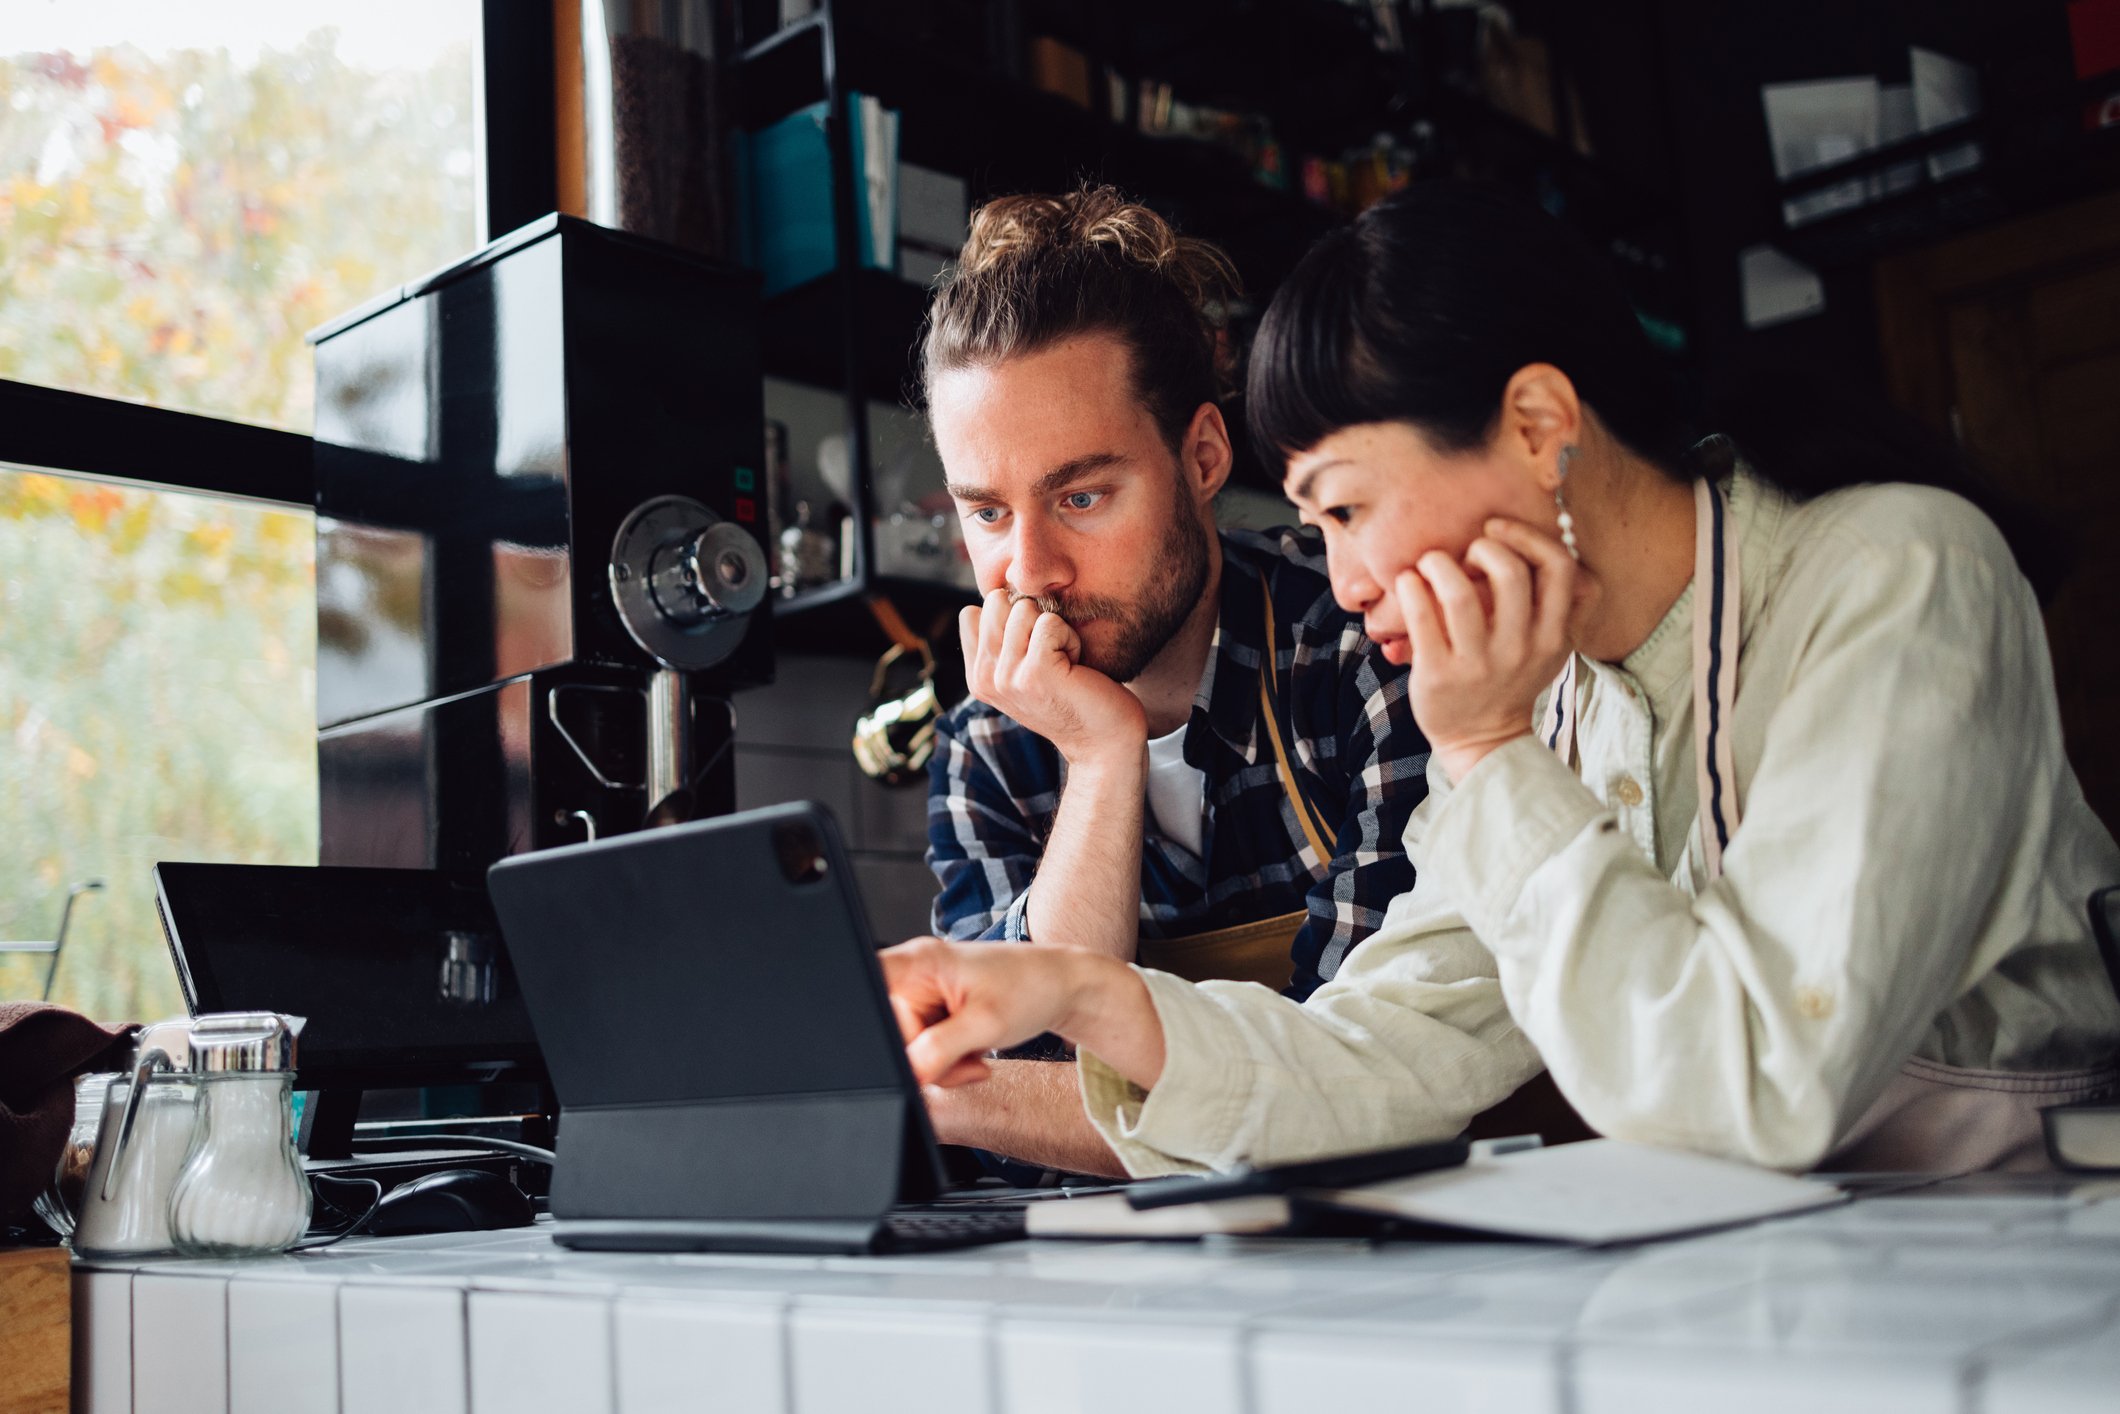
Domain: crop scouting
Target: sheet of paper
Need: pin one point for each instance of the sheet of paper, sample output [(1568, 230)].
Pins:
[(1599, 1191), (2085, 1136), (1112, 1216), (1777, 288)]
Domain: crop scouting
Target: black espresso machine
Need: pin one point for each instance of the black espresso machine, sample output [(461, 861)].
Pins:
[(539, 582), (539, 579)]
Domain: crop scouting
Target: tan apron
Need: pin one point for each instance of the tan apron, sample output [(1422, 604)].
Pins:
[(1259, 951), (1931, 1118), (1946, 1119)]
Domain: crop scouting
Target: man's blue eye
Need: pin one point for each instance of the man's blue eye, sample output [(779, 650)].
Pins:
[(1081, 500), (987, 515)]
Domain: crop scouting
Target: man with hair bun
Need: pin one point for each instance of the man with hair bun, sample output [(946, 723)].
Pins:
[(1177, 748)]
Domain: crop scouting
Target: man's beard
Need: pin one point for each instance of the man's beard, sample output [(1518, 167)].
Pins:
[(1141, 629)]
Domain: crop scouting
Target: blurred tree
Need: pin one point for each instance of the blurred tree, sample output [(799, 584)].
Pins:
[(157, 701), (170, 226)]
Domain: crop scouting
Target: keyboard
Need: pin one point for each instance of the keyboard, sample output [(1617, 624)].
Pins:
[(930, 1231)]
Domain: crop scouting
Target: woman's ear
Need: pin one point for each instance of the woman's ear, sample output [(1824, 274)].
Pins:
[(1541, 414), (1206, 455)]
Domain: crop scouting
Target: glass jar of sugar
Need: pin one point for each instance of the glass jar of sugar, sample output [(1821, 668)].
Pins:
[(241, 1189), (141, 1143)]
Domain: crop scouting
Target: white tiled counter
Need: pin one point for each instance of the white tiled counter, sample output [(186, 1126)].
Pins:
[(1982, 1295)]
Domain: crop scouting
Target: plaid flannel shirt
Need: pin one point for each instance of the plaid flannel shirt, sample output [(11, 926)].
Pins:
[(994, 786)]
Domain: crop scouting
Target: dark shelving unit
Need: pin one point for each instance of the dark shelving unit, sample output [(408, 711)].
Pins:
[(2035, 151), (853, 330), (1310, 69), (803, 333)]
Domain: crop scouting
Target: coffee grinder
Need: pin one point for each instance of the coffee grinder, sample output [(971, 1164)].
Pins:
[(539, 580)]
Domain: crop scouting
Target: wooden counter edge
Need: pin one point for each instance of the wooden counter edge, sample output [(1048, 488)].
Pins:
[(36, 1330)]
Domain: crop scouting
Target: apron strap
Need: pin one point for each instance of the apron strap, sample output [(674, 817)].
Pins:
[(1715, 625), (1558, 730), (1313, 833)]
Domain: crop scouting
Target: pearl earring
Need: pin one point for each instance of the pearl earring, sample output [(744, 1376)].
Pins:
[(1567, 521)]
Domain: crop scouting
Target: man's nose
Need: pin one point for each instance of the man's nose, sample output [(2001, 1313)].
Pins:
[(1037, 567)]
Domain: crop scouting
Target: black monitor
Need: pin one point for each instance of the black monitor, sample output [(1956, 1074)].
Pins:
[(400, 973)]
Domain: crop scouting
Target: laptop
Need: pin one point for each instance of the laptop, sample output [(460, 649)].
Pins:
[(714, 1022), (399, 972), (401, 981)]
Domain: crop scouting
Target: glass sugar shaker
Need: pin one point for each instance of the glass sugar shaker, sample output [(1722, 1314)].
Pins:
[(140, 1144), (241, 1190), (58, 1204)]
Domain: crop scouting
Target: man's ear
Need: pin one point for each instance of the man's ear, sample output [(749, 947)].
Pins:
[(1205, 454), (1541, 413)]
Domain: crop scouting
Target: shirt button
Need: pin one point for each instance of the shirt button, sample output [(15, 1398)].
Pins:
[(1814, 1003), (1630, 794)]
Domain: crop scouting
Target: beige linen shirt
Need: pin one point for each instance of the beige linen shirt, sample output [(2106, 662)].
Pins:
[(1909, 880)]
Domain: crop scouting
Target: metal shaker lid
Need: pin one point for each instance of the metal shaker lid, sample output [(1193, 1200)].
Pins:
[(230, 1042), (170, 1040), (162, 1048)]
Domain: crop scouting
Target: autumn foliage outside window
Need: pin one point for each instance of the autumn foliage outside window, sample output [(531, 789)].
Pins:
[(185, 190)]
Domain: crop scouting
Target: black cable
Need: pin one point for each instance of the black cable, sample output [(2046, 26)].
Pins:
[(317, 1182)]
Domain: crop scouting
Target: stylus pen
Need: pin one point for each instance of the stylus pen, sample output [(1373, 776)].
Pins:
[(1343, 1171)]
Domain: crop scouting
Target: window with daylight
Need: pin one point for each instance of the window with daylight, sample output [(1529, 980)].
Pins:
[(185, 190)]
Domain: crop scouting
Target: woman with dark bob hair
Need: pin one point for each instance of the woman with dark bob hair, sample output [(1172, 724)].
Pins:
[(1748, 813)]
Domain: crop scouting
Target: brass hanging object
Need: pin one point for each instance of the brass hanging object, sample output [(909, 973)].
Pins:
[(894, 739)]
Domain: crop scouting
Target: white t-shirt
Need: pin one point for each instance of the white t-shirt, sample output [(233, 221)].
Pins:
[(1177, 791)]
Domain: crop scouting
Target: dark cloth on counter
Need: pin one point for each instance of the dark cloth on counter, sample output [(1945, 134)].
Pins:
[(42, 1049)]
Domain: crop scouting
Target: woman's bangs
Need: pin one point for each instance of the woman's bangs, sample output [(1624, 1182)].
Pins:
[(1303, 383)]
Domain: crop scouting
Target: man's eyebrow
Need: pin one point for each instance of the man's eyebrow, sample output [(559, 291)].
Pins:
[(1065, 474), (1073, 470), (1310, 478)]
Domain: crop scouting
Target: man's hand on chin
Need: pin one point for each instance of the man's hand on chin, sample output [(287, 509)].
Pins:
[(1026, 1110), (1023, 661)]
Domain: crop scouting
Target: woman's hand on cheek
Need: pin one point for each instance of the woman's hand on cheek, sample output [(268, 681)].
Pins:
[(1478, 670)]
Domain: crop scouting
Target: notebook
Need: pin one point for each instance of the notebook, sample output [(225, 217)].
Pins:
[(2083, 1136), (1598, 1192)]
